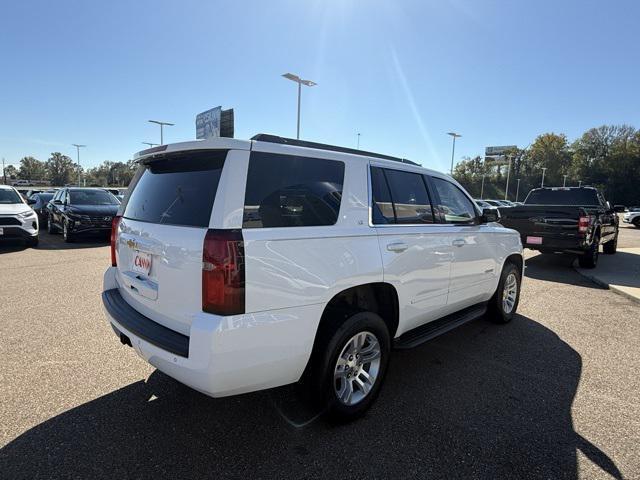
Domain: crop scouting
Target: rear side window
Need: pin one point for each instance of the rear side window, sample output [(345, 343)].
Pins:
[(177, 189), (292, 191), (399, 197), (454, 205)]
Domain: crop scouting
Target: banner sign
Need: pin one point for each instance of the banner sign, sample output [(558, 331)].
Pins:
[(208, 123)]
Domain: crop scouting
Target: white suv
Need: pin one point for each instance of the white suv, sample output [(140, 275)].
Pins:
[(17, 219), (245, 265)]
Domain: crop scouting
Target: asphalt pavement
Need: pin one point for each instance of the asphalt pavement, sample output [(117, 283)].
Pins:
[(553, 394)]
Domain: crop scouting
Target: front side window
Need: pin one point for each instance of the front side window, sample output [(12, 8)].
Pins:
[(292, 191), (454, 206)]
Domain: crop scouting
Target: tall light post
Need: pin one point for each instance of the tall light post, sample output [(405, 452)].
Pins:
[(358, 147), (564, 181), (579, 183), (544, 169), (151, 145), (300, 82), (78, 147), (517, 189), (506, 188), (162, 124), (482, 187), (453, 147)]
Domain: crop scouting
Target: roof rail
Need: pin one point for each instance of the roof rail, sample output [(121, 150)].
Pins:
[(265, 137)]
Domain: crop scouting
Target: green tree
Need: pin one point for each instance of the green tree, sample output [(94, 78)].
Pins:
[(550, 151), (32, 169), (61, 169), (11, 172)]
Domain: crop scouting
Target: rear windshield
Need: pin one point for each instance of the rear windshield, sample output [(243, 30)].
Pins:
[(177, 189), (9, 196), (91, 197), (585, 196)]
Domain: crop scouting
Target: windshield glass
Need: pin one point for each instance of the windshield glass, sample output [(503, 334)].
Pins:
[(9, 196), (92, 197), (584, 196)]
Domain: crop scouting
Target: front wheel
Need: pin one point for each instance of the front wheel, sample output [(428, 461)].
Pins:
[(348, 369), (504, 303), (636, 222)]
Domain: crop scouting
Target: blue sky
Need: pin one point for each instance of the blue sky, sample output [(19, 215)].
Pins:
[(402, 73)]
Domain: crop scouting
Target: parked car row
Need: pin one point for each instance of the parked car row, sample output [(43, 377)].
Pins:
[(75, 211)]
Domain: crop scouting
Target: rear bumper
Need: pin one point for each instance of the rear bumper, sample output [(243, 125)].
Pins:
[(224, 355), (557, 244)]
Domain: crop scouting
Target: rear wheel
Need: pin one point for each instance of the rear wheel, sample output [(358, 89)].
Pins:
[(348, 368), (589, 259), (611, 246), (504, 303)]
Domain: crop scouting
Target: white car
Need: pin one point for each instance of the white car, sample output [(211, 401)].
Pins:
[(17, 219), (245, 265), (632, 216)]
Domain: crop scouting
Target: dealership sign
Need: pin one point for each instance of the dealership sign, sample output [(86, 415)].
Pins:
[(214, 123), (499, 151)]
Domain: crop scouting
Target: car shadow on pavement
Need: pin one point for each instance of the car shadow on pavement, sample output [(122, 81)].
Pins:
[(483, 401), (556, 268)]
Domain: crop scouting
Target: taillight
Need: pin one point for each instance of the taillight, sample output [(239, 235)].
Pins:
[(583, 224), (114, 239), (223, 272)]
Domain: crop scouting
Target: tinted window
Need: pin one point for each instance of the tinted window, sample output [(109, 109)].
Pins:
[(581, 196), (9, 196), (454, 205), (177, 189), (91, 197), (382, 210), (410, 199), (292, 191)]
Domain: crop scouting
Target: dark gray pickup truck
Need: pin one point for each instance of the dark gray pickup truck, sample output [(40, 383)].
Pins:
[(574, 220)]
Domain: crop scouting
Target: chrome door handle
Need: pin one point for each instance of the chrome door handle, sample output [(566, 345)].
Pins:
[(397, 247), (458, 242)]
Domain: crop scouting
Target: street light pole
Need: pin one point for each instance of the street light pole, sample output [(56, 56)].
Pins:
[(482, 187), (544, 169), (564, 181), (151, 145), (506, 188), (453, 148), (517, 189), (162, 124), (358, 147), (579, 183), (300, 82), (78, 147)]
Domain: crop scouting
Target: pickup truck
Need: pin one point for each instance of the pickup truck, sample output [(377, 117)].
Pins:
[(575, 220)]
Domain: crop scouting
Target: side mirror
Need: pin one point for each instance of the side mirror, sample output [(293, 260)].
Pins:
[(31, 201), (618, 208), (490, 215), (57, 202)]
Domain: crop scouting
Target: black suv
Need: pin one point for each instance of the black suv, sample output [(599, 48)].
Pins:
[(80, 211)]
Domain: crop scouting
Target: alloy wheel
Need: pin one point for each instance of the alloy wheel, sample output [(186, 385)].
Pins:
[(509, 293), (357, 368)]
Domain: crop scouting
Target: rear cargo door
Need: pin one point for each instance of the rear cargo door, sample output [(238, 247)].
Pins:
[(539, 221), (161, 235)]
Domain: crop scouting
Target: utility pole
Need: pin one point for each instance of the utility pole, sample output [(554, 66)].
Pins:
[(506, 188), (300, 82), (453, 148), (517, 189), (544, 169), (162, 124), (78, 147)]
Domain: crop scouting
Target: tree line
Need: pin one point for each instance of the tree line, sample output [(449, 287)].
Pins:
[(60, 170), (607, 157)]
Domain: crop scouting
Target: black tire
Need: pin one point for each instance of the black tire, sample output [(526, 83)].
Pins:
[(66, 234), (330, 344), (32, 242), (611, 247), (498, 311), (589, 259), (51, 228), (636, 222)]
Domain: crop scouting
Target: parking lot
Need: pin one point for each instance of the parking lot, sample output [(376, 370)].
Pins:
[(551, 395)]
